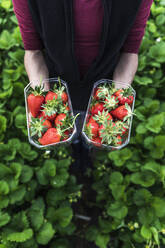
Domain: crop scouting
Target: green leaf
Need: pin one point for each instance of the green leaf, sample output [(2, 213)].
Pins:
[(143, 80), (143, 178), (155, 234), (4, 170), (20, 121), (4, 219), (6, 4), (6, 40), (119, 157), (116, 178), (160, 141), (141, 129), (155, 123), (149, 143), (50, 166), (4, 188), (117, 210), (26, 174), (142, 197), (60, 179), (4, 201), (102, 240), (27, 153), (117, 190), (6, 93), (16, 168), (18, 194), (146, 232), (152, 166), (36, 218), (146, 215), (45, 234), (157, 153), (3, 124), (63, 215), (159, 205), (20, 236), (7, 152), (42, 176), (157, 52)]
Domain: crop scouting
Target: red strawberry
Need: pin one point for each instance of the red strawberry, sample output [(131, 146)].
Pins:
[(92, 129), (47, 124), (51, 136), (66, 135), (49, 117), (39, 126), (123, 112), (122, 126), (97, 141), (41, 115), (117, 140), (96, 108), (50, 109), (35, 100), (60, 119), (91, 120), (102, 127), (101, 92), (64, 97), (50, 96), (124, 96)]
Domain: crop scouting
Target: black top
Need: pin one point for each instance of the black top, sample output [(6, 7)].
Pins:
[(54, 23)]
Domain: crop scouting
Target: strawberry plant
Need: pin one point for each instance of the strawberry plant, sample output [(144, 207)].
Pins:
[(121, 203)]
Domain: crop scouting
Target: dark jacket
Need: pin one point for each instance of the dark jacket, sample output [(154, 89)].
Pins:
[(54, 23)]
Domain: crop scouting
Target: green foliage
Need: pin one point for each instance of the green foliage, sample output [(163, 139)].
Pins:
[(124, 193)]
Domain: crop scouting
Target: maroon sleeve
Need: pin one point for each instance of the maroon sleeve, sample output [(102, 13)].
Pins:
[(136, 34), (30, 37)]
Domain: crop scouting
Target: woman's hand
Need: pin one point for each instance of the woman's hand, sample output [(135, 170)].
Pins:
[(125, 70), (36, 68)]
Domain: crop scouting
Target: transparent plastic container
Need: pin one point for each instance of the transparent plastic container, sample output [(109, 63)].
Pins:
[(91, 143), (51, 82)]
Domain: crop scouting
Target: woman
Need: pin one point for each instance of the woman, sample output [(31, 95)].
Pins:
[(82, 41)]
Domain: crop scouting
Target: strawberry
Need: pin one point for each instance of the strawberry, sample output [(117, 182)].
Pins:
[(51, 136), (96, 108), (39, 126), (101, 117), (91, 119), (35, 100), (92, 129), (64, 96), (117, 140), (124, 96), (64, 108), (101, 92), (60, 91), (97, 141), (123, 112), (50, 117), (50, 109), (111, 102), (123, 127), (50, 96), (66, 135), (60, 119), (41, 115)]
